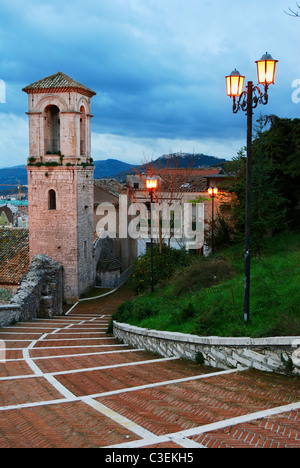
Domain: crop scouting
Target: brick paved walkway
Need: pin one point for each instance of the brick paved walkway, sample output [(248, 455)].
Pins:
[(65, 383)]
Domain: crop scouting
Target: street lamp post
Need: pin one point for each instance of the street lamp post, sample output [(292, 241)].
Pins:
[(247, 101), (212, 192), (151, 185)]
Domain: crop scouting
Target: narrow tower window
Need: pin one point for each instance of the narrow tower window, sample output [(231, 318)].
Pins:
[(52, 200)]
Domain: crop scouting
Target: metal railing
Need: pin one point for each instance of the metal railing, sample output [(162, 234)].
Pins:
[(120, 279)]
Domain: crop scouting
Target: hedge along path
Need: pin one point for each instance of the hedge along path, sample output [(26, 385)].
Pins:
[(66, 383)]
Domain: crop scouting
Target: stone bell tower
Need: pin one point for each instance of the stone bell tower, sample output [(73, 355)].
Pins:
[(60, 178)]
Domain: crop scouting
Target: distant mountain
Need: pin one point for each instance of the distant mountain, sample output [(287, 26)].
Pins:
[(182, 160), (12, 175), (10, 178), (188, 160), (117, 169), (103, 169), (109, 168)]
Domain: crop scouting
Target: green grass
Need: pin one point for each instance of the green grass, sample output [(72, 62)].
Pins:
[(6, 294), (206, 298)]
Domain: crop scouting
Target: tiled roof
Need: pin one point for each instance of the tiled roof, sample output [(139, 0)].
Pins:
[(184, 172), (102, 196), (111, 186), (6, 214), (184, 184), (14, 255), (58, 82), (107, 190), (182, 180)]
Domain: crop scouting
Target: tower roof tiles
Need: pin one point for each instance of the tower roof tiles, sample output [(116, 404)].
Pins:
[(58, 82)]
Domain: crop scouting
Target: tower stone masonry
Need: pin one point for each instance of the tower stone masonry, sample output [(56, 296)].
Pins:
[(60, 178)]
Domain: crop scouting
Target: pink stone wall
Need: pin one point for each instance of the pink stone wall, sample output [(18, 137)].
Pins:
[(66, 233)]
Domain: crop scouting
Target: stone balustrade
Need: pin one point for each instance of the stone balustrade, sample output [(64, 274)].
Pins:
[(278, 354)]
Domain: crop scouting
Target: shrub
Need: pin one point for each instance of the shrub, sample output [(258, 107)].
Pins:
[(123, 311), (212, 317), (165, 263), (202, 273), (6, 294), (223, 233), (199, 358), (135, 311), (51, 163), (185, 312)]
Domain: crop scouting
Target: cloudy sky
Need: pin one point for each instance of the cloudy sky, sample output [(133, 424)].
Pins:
[(158, 68)]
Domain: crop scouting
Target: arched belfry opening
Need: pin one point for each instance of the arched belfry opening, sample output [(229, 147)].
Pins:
[(82, 131), (52, 130)]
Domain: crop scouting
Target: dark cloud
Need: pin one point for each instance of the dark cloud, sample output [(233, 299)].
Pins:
[(158, 67)]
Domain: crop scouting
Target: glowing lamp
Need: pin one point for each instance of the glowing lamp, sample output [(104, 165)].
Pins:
[(212, 191), (266, 68), (151, 184), (234, 84)]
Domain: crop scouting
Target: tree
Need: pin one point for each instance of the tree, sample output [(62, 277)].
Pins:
[(236, 186), (282, 144), (268, 203), (294, 13), (268, 210)]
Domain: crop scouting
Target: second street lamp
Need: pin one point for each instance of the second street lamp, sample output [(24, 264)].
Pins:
[(247, 101), (151, 185)]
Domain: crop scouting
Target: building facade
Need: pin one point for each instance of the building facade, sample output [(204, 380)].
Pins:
[(185, 188)]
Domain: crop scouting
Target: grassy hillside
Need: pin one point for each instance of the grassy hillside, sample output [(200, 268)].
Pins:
[(206, 297)]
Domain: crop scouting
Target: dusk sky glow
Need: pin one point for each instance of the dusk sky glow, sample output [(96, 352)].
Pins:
[(158, 68)]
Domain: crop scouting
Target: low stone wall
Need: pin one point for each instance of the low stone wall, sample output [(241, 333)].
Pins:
[(278, 354), (9, 313), (39, 295)]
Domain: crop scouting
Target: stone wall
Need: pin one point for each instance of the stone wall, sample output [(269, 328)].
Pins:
[(9, 313), (85, 230), (66, 233), (39, 295), (278, 354)]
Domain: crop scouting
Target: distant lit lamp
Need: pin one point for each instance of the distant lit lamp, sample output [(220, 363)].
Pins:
[(247, 101), (151, 184), (212, 192)]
